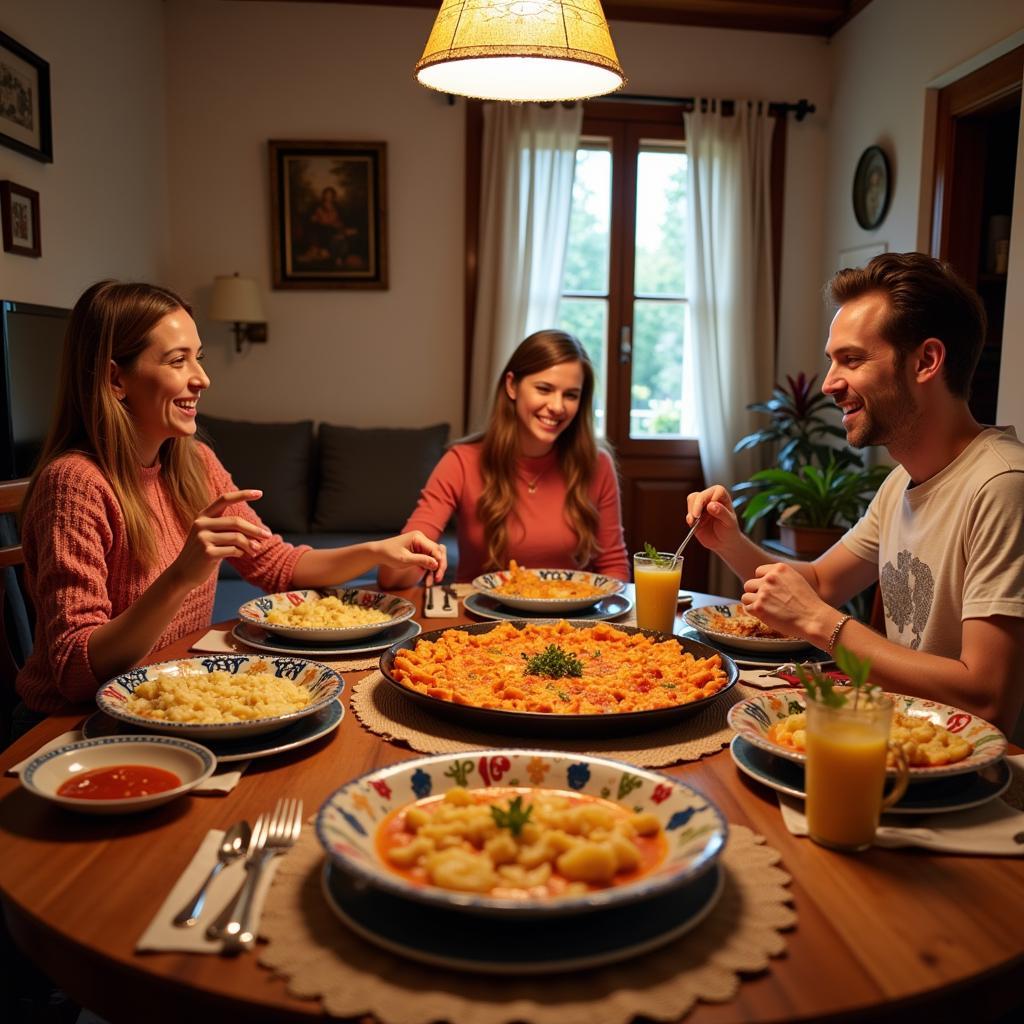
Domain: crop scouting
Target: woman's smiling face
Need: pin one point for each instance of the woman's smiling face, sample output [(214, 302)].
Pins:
[(545, 403), (161, 388)]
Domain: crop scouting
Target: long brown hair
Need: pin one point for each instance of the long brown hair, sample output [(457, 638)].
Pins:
[(111, 322), (576, 447)]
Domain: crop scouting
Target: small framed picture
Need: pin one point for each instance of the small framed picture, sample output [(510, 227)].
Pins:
[(329, 214), (25, 101), (19, 211), (871, 188)]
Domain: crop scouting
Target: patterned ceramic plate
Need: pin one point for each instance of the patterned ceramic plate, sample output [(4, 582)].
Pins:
[(347, 823), (701, 620), (536, 723), (323, 683), (446, 938), (245, 748), (752, 718), (936, 796), (255, 613), (261, 640), (607, 608), (606, 586)]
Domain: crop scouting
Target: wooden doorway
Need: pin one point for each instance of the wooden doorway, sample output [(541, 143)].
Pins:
[(976, 140)]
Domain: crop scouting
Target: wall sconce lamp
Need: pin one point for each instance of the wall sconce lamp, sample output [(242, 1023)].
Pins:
[(236, 300)]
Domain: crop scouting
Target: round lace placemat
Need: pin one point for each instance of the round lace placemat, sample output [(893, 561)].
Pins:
[(382, 710), (322, 959)]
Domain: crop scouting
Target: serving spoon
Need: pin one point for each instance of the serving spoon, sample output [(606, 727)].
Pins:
[(232, 846)]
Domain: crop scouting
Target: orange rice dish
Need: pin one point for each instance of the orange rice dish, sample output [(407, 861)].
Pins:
[(620, 671), (522, 582), (742, 623)]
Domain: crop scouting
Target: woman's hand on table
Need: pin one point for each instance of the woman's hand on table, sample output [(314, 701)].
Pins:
[(413, 550), (780, 597), (214, 537)]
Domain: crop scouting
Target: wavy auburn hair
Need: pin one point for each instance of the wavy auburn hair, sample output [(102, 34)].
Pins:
[(111, 322), (576, 447)]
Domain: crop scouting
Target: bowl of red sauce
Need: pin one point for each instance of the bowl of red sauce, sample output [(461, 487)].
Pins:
[(119, 774)]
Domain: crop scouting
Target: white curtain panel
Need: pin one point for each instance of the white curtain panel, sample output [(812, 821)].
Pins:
[(529, 160), (729, 282)]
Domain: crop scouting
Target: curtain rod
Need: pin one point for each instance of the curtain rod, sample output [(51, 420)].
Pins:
[(801, 108)]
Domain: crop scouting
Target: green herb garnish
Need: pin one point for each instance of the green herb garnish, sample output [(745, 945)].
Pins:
[(822, 689), (514, 818), (660, 560), (554, 663)]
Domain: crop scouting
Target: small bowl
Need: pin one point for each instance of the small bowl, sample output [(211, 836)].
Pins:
[(45, 774), (255, 612), (555, 606), (322, 681), (348, 819)]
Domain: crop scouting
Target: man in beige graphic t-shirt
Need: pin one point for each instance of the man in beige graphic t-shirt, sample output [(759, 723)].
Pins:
[(944, 536)]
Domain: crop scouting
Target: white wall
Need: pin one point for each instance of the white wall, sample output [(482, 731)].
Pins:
[(883, 61), (103, 199), (239, 74)]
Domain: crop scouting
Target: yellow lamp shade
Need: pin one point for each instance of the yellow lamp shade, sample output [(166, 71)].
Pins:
[(522, 50)]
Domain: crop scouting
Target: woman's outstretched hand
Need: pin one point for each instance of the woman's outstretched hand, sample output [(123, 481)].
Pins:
[(214, 537), (412, 550)]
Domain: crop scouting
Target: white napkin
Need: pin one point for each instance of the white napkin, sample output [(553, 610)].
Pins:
[(216, 641), (994, 828), (162, 934), (223, 780), (436, 609), (761, 680)]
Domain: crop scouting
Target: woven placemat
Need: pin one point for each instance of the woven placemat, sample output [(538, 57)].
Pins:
[(383, 710), (322, 959)]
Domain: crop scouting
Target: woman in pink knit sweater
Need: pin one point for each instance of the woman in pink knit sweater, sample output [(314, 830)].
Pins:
[(535, 486), (127, 516)]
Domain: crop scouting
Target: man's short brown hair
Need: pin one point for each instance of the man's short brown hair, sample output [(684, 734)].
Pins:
[(927, 299)]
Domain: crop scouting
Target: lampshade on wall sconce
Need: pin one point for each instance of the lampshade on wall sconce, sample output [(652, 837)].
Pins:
[(524, 50), (237, 300)]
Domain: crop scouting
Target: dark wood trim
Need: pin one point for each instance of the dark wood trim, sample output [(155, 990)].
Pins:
[(988, 88), (474, 186), (12, 494)]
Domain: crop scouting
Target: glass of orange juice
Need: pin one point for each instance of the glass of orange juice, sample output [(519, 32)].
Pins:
[(845, 777), (657, 590)]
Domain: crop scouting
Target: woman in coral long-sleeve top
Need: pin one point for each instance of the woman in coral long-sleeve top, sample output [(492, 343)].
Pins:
[(535, 486), (127, 516)]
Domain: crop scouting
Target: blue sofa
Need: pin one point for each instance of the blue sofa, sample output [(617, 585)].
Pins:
[(329, 487)]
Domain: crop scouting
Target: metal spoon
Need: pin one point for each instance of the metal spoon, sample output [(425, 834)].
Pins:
[(687, 538), (233, 845)]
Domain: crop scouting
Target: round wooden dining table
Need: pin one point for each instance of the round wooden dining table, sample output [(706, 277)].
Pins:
[(886, 934)]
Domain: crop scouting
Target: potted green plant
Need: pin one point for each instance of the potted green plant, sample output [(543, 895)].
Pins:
[(798, 425), (814, 505)]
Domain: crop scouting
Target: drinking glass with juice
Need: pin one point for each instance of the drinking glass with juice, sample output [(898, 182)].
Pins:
[(845, 772), (657, 590)]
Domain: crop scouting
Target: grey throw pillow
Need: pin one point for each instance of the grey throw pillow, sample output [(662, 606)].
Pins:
[(371, 479), (275, 457)]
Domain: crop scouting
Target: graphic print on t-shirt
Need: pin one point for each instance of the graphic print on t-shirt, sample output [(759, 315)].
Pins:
[(908, 603)]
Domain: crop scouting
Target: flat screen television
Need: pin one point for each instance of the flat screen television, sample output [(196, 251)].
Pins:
[(31, 340)]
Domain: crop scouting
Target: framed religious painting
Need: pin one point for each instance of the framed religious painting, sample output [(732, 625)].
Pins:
[(329, 214), (25, 101), (19, 218)]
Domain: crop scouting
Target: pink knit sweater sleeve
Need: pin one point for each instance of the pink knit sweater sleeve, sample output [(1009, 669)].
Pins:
[(272, 566), (66, 552), (439, 498), (612, 558)]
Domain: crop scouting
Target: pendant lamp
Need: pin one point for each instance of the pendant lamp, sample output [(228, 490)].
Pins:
[(521, 50)]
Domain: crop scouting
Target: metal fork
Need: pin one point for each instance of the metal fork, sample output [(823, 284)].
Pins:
[(282, 833)]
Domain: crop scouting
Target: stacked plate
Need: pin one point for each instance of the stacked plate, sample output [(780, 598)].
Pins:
[(233, 740), (492, 601), (527, 931), (974, 780), (258, 630)]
